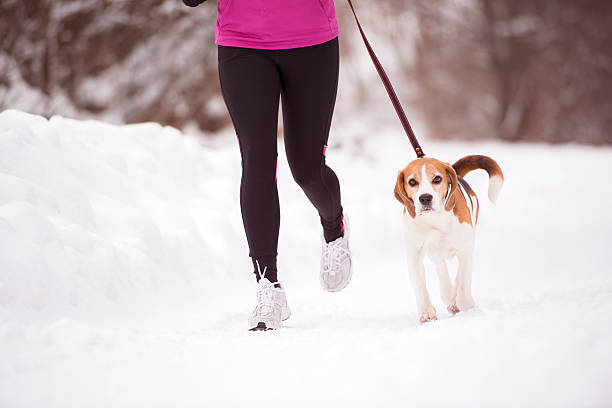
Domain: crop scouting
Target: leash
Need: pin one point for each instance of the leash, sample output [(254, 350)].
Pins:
[(383, 76)]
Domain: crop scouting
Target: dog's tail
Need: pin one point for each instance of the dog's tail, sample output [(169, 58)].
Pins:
[(496, 177)]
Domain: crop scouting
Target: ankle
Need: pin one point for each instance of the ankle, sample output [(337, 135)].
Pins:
[(331, 236), (332, 230), (265, 267)]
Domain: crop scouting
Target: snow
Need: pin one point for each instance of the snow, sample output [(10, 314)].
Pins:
[(125, 281)]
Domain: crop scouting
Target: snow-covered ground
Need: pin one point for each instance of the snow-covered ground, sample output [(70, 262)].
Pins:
[(125, 281)]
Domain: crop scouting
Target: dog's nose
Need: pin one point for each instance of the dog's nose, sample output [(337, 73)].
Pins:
[(425, 199)]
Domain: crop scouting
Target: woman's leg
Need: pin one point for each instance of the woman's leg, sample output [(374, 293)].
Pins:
[(250, 85), (309, 78)]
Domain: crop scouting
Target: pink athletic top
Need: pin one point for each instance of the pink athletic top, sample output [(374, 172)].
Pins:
[(275, 24)]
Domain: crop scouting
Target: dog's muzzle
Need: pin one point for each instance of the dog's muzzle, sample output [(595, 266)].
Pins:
[(426, 202)]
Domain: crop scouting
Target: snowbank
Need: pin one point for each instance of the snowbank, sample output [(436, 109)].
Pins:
[(93, 213), (124, 279)]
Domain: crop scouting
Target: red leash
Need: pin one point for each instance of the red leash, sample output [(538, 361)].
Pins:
[(390, 91)]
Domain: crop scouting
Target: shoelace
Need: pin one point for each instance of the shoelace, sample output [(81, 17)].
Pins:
[(261, 274), (334, 254)]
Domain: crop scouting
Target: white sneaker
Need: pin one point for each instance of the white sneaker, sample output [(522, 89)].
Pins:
[(272, 306), (336, 265)]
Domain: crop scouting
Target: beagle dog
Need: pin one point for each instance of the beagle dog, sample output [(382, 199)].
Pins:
[(440, 215)]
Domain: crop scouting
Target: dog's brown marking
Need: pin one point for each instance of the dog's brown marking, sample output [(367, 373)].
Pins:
[(462, 211), (476, 204), (455, 202), (469, 163), (472, 203), (401, 195), (452, 184)]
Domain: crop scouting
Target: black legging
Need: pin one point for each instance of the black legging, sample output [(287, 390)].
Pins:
[(251, 82)]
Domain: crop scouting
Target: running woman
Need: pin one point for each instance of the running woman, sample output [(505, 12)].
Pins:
[(289, 48)]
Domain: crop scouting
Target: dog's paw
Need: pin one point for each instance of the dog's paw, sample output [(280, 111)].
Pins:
[(453, 309), (428, 315), (465, 302)]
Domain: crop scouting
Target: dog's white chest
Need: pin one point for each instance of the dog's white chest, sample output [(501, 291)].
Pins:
[(439, 235)]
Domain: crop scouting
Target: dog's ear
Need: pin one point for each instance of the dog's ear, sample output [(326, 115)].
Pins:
[(402, 196), (452, 187)]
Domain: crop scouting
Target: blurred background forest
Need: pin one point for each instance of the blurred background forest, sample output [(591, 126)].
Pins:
[(514, 70)]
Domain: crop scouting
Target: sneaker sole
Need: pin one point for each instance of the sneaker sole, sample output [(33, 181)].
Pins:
[(261, 326)]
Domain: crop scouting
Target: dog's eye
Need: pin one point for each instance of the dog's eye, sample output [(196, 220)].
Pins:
[(413, 182), (437, 180)]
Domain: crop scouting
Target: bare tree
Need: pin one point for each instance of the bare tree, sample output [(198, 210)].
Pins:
[(516, 70), (122, 60)]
